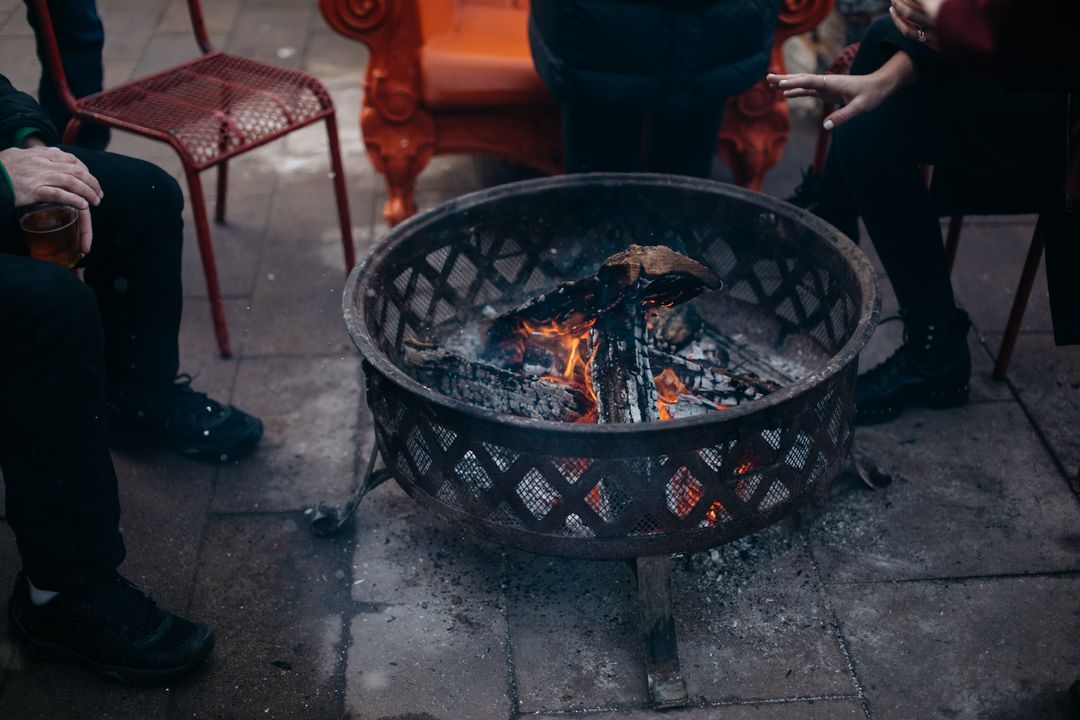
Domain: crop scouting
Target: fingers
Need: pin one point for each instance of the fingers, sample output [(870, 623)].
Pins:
[(801, 92), (912, 12), (77, 185), (800, 81), (51, 193), (86, 234)]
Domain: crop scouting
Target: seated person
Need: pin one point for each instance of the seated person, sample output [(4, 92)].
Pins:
[(80, 363), (905, 106), (648, 74)]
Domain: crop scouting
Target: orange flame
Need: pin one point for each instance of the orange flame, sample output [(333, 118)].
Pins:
[(571, 364)]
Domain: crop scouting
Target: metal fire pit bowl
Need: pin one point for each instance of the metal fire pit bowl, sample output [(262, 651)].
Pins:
[(797, 296), (794, 289)]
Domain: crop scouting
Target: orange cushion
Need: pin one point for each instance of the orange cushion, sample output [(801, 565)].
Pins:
[(483, 60)]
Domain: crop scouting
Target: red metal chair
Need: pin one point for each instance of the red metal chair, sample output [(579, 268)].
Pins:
[(209, 109), (842, 65)]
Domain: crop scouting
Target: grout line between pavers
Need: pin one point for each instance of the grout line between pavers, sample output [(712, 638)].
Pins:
[(958, 578), (620, 708), (349, 606), (838, 633), (1066, 473), (508, 645)]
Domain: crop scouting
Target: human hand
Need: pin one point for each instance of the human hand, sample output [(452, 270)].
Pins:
[(916, 20), (858, 93), (44, 174)]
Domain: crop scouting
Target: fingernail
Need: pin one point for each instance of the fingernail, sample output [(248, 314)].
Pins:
[(829, 124)]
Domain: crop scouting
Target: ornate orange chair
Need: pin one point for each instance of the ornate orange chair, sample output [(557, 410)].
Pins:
[(455, 76)]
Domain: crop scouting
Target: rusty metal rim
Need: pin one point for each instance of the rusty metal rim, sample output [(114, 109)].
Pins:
[(357, 286)]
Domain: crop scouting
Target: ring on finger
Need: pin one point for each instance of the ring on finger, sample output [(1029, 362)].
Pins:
[(922, 35)]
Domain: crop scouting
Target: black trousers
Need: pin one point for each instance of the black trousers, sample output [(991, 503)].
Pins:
[(64, 347), (992, 151), (607, 140)]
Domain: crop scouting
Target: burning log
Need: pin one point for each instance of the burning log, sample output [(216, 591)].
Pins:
[(714, 384), (621, 373), (673, 328), (652, 276), (493, 388)]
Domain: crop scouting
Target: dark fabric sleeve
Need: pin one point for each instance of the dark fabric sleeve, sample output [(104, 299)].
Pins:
[(18, 111), (926, 59)]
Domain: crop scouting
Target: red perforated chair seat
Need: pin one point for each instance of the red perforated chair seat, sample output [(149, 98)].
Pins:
[(215, 106), (483, 61)]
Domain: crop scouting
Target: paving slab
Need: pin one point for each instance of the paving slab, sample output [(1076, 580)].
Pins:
[(575, 631), (429, 630), (1047, 379), (988, 266), (753, 623), (238, 243), (129, 28), (973, 493), (162, 546), (310, 410), (164, 50), (272, 33), (276, 598), (199, 355), (819, 710), (218, 16), (994, 649)]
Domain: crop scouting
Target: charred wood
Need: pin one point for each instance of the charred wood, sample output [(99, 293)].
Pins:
[(493, 388)]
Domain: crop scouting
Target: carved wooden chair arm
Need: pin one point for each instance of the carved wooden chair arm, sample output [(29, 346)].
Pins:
[(375, 22), (800, 16)]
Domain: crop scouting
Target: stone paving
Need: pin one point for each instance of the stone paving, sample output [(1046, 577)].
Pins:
[(952, 593)]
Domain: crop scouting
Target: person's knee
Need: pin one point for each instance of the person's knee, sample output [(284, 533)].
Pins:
[(157, 190), (871, 56), (50, 301)]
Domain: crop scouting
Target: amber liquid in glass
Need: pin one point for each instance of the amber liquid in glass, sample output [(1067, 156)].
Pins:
[(52, 233)]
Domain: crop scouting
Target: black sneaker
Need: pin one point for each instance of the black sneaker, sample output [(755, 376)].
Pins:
[(111, 628), (192, 424), (931, 369)]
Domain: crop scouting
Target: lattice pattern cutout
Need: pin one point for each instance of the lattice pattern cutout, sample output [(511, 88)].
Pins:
[(725, 486)]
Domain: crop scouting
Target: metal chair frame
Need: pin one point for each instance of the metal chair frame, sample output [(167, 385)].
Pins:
[(232, 138)]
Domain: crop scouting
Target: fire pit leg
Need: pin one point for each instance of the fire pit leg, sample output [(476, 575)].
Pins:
[(667, 689), (328, 520)]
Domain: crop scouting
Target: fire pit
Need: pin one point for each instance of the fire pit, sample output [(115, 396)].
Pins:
[(798, 303)]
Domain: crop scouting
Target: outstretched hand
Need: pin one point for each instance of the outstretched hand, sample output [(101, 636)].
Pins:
[(48, 174), (858, 93)]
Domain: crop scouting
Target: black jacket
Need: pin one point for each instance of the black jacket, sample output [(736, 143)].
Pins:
[(17, 111), (646, 54)]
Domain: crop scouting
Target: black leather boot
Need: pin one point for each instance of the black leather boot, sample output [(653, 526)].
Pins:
[(931, 369)]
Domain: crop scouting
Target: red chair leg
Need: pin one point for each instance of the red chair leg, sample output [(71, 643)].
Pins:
[(340, 193), (206, 250), (1023, 292), (952, 239), (71, 131), (222, 190)]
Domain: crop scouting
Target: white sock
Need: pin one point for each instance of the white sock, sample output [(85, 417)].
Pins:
[(38, 596)]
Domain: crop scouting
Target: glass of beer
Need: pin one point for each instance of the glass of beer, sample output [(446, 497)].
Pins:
[(52, 232)]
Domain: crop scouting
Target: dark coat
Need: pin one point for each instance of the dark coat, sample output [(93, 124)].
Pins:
[(17, 111), (648, 54)]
